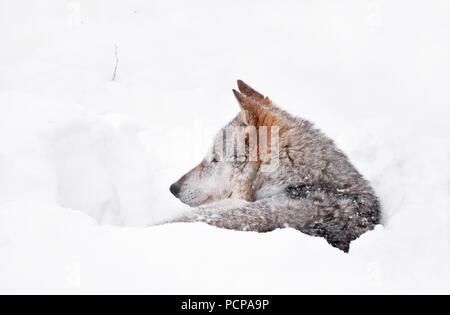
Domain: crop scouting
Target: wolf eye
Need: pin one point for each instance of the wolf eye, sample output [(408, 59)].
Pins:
[(215, 159)]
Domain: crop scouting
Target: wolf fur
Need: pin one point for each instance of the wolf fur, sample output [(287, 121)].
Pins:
[(314, 189)]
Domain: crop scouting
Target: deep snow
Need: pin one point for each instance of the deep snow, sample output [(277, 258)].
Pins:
[(86, 162)]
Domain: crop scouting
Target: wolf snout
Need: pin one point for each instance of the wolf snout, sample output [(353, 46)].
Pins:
[(175, 189)]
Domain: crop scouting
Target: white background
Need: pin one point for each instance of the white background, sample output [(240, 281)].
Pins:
[(86, 162)]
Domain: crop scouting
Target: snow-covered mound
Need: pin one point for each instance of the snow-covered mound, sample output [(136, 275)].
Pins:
[(86, 162), (83, 161)]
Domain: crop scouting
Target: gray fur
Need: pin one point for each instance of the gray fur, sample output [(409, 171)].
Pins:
[(315, 188)]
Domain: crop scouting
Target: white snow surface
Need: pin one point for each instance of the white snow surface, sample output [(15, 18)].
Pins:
[(86, 162)]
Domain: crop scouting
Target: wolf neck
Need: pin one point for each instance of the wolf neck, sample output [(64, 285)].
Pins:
[(304, 158), (269, 184)]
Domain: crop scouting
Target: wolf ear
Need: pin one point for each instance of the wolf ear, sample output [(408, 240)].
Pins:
[(245, 89), (246, 104), (255, 114)]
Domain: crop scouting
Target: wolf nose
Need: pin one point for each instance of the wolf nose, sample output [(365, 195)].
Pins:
[(175, 189)]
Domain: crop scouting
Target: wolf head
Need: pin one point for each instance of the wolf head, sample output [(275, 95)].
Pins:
[(242, 150)]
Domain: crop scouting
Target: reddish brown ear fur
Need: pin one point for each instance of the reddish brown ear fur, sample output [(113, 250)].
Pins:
[(259, 109), (258, 115), (250, 92)]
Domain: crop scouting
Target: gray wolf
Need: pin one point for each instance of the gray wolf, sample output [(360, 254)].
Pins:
[(313, 188)]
